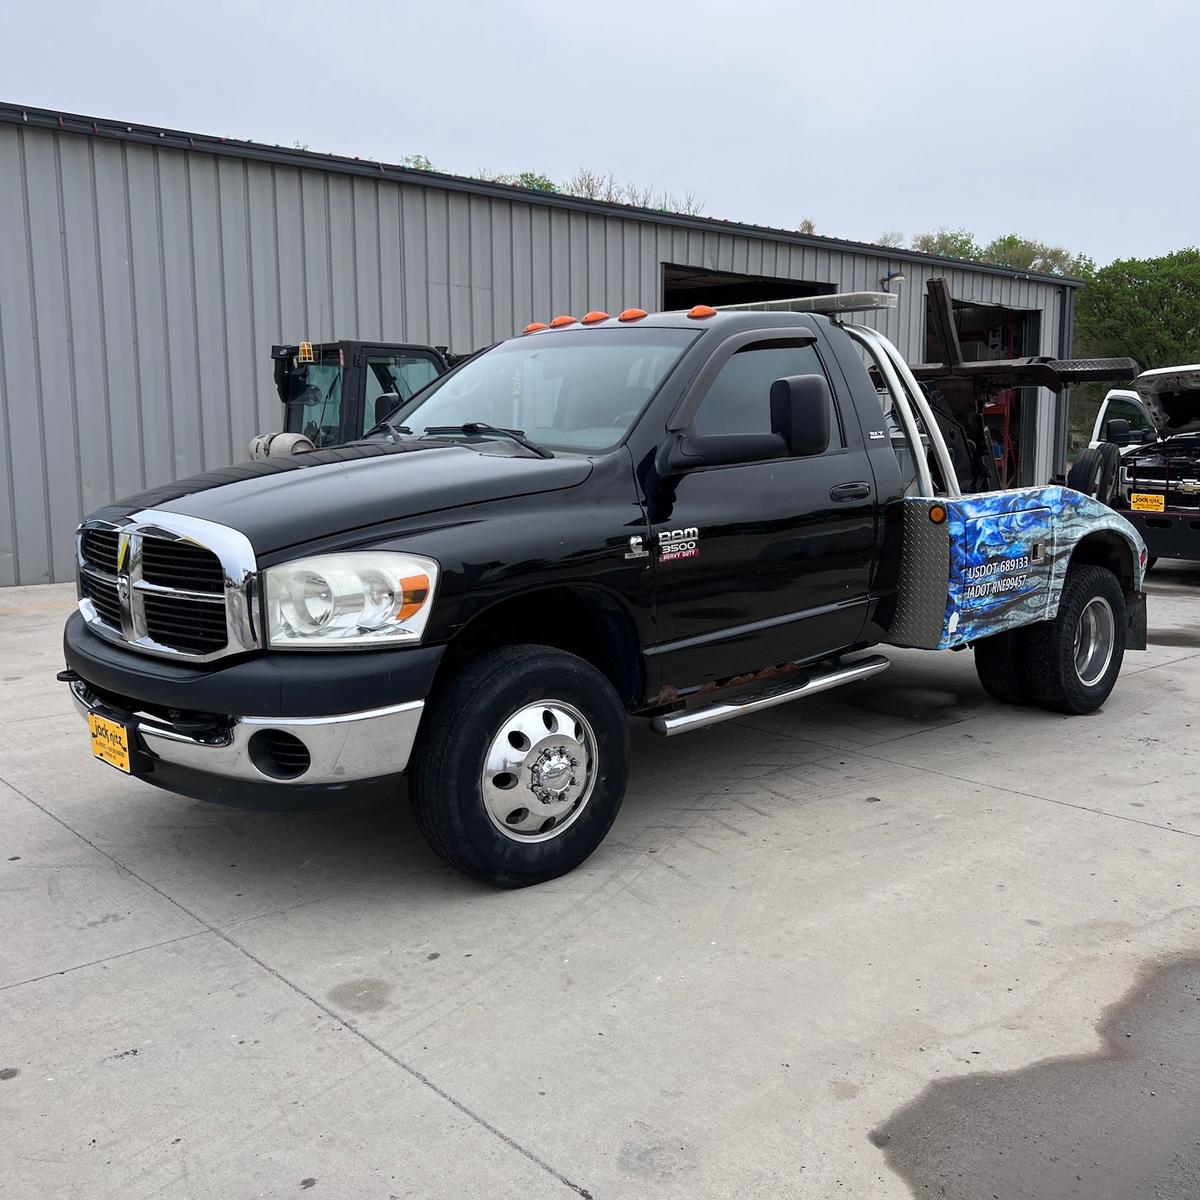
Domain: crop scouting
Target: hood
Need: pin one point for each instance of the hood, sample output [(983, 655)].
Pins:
[(281, 502), (1172, 398)]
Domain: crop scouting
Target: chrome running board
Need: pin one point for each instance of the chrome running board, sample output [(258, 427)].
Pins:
[(670, 724)]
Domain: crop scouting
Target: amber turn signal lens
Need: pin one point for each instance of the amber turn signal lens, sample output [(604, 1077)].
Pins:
[(534, 326), (414, 592), (632, 314), (559, 322), (702, 310), (937, 513), (592, 317)]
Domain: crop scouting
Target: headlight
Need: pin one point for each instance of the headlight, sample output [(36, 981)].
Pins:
[(339, 601)]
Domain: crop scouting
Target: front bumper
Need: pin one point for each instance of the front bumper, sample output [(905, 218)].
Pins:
[(1167, 534), (215, 734)]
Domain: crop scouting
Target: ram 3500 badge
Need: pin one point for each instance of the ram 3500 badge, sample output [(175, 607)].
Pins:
[(682, 517)]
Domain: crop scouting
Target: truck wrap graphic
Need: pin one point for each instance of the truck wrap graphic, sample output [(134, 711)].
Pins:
[(1002, 557)]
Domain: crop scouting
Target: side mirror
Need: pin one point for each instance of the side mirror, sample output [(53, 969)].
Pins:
[(1117, 432), (722, 450), (384, 404), (800, 407)]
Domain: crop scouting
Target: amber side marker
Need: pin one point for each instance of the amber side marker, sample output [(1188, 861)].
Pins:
[(559, 322), (594, 316), (702, 310), (632, 314), (534, 326), (937, 513)]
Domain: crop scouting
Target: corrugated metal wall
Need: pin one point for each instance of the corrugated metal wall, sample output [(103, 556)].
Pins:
[(141, 288)]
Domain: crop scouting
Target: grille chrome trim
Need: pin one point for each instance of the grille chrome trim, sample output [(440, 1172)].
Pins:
[(238, 598)]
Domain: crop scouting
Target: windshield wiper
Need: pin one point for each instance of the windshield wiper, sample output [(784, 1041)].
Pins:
[(395, 429), (516, 435)]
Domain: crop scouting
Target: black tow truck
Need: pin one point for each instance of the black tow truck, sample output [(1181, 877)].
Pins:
[(688, 517)]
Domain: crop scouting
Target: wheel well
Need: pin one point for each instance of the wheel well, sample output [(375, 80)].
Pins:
[(1109, 550), (583, 621)]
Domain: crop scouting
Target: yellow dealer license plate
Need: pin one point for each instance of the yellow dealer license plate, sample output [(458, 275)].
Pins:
[(1144, 502), (110, 742)]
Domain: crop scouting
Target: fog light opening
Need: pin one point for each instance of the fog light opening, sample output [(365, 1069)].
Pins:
[(279, 755)]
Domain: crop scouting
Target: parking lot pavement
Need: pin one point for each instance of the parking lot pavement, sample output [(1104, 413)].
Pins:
[(858, 946)]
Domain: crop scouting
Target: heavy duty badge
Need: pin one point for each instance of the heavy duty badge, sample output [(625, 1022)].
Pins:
[(674, 544)]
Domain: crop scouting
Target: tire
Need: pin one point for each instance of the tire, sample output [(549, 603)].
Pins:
[(1000, 665), (1053, 673), (1095, 472), (520, 730)]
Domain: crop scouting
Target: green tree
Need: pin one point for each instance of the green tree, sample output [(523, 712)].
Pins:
[(416, 162), (952, 243), (1147, 308), (1025, 254)]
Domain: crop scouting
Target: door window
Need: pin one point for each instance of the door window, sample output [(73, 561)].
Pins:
[(739, 400), (404, 374), (1126, 410)]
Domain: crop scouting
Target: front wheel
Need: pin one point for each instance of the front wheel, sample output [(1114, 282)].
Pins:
[(521, 765), (1072, 662)]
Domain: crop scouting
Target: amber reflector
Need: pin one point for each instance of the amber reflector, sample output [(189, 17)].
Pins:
[(702, 310), (559, 322), (632, 314), (534, 326), (594, 316), (937, 513)]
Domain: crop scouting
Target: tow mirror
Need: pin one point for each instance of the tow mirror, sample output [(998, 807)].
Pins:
[(1117, 431), (384, 404), (800, 407)]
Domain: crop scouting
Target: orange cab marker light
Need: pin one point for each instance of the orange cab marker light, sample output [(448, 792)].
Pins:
[(632, 314), (559, 322), (702, 310), (534, 326), (937, 513), (594, 316)]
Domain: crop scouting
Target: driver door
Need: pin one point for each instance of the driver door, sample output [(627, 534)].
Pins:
[(763, 563)]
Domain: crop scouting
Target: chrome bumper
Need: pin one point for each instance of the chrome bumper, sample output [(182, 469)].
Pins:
[(342, 749)]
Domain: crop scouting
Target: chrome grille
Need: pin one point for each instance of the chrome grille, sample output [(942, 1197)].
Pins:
[(103, 595), (182, 565), (100, 549), (168, 585)]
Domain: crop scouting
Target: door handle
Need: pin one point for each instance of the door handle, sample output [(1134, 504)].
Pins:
[(850, 491)]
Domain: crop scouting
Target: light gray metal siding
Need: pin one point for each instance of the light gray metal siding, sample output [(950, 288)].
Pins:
[(141, 288)]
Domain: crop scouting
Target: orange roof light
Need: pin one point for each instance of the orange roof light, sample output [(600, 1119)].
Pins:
[(534, 326), (559, 322), (702, 310), (632, 314), (594, 316)]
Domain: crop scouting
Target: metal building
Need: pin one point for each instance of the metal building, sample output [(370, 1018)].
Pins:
[(145, 273)]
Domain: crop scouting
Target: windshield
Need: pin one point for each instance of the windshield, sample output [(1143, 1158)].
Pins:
[(574, 390), (312, 397)]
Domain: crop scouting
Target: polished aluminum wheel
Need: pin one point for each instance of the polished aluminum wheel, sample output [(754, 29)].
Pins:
[(539, 771), (1095, 636)]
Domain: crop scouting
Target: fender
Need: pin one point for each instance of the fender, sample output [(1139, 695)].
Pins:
[(979, 565)]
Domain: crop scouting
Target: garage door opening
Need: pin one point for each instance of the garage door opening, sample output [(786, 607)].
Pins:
[(685, 286), (987, 332)]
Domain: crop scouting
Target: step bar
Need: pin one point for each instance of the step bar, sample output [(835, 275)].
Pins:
[(674, 723)]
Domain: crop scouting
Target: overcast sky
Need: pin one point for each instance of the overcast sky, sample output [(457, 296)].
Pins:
[(1074, 123)]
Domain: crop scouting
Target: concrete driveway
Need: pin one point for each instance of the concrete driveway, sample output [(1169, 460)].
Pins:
[(894, 937)]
